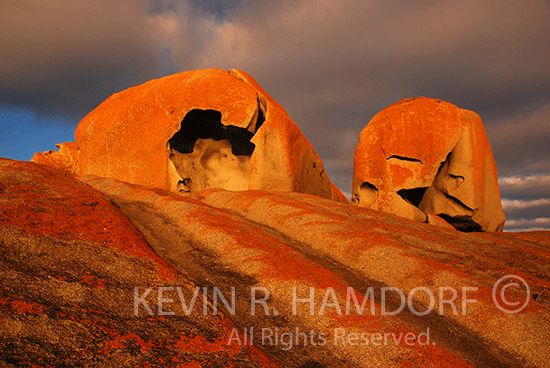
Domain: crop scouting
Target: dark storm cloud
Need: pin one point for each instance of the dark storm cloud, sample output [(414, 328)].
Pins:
[(65, 57), (521, 141), (384, 49)]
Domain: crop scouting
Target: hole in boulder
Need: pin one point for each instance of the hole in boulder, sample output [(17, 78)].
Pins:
[(365, 195), (207, 124), (413, 196), (209, 154), (403, 158), (462, 223), (261, 116), (368, 186)]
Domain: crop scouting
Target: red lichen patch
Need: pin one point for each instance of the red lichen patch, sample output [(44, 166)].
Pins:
[(538, 237), (190, 365), (122, 341), (93, 281), (21, 307), (43, 201), (199, 344), (281, 261)]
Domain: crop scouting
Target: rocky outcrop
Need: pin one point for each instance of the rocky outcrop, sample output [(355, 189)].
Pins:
[(423, 158), (282, 240), (69, 264), (64, 160), (192, 224), (71, 259), (196, 130)]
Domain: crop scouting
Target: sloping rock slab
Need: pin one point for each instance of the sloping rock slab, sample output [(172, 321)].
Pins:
[(69, 263), (370, 248), (278, 241), (70, 260), (216, 248)]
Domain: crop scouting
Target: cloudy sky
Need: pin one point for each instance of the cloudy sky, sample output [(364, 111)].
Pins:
[(332, 64)]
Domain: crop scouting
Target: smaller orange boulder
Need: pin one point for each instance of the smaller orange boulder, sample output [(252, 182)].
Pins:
[(422, 157)]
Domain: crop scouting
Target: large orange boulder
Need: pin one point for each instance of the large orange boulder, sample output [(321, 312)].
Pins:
[(198, 129), (426, 159)]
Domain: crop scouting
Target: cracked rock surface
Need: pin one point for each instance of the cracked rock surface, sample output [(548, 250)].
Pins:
[(428, 160)]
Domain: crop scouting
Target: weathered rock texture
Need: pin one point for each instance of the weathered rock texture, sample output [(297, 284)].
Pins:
[(423, 157), (69, 263), (64, 160), (70, 260), (195, 130)]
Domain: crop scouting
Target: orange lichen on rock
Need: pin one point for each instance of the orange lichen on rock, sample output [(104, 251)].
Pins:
[(423, 157), (75, 281), (21, 307), (224, 248), (194, 130), (71, 265), (67, 208), (64, 160)]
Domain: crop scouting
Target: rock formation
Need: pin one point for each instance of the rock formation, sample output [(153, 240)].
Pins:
[(104, 262), (64, 160), (72, 253), (69, 263), (426, 159), (195, 130)]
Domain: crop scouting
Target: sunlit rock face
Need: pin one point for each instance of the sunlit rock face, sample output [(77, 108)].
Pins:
[(208, 154), (196, 130), (64, 160), (424, 158)]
